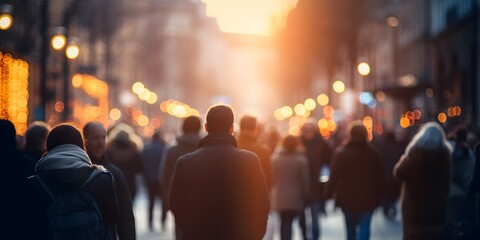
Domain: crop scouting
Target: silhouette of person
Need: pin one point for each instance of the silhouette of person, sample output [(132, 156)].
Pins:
[(186, 143), (357, 181), (424, 171), (95, 144), (219, 190)]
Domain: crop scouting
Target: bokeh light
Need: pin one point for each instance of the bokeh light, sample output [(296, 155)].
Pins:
[(442, 117), (58, 41), (338, 86), (323, 99), (137, 87), (310, 104), (6, 21), (72, 51), (115, 114), (300, 109), (363, 68)]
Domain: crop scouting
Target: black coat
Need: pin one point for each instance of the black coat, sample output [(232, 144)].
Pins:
[(219, 192), (357, 178)]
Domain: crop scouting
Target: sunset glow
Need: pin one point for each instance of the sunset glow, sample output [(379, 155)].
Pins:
[(257, 17)]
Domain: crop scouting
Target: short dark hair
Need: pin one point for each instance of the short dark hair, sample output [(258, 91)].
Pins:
[(36, 133), (219, 119), (86, 129), (248, 123), (357, 131), (290, 143), (64, 134), (191, 124)]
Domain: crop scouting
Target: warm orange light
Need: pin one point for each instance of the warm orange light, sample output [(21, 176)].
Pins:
[(163, 106), (322, 99), (442, 117), (310, 104), (457, 110), (328, 110), (300, 109), (363, 68), (115, 114), (323, 124), (137, 87), (287, 112), (58, 41), (404, 122), (295, 131), (278, 114), (332, 126), (180, 111), (142, 120), (338, 86), (72, 51), (6, 21), (265, 17), (59, 106), (152, 98), (77, 80), (368, 122), (380, 96), (392, 21)]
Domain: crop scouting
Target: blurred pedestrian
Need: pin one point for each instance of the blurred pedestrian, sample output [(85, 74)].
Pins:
[(36, 140), (124, 153), (22, 215), (66, 167), (248, 139), (424, 171), (151, 157), (391, 151), (290, 184), (95, 144), (460, 202), (186, 143), (318, 154), (357, 181), (219, 191)]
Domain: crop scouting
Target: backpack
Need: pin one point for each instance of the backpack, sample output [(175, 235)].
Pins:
[(75, 215)]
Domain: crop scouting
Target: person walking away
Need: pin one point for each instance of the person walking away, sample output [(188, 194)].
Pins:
[(21, 213), (357, 181), (460, 203), (424, 171), (391, 151), (151, 157), (95, 144), (35, 140), (248, 139), (64, 170), (219, 191), (123, 152), (290, 184), (186, 143), (318, 154)]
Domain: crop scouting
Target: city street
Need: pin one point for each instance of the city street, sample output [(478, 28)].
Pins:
[(332, 226)]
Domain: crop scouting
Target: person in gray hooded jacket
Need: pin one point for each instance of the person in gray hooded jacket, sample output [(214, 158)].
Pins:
[(66, 166)]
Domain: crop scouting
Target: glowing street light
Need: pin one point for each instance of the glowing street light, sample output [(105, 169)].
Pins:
[(72, 51), (338, 86), (363, 68), (322, 99), (6, 21), (58, 41), (392, 21)]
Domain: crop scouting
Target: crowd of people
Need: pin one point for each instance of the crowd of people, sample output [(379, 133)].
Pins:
[(227, 183)]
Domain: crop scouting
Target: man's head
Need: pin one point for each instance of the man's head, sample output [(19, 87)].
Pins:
[(64, 134), (358, 132), (219, 119), (36, 136), (95, 139), (248, 123), (309, 130), (191, 124)]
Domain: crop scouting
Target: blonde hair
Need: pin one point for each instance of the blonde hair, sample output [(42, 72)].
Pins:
[(430, 137)]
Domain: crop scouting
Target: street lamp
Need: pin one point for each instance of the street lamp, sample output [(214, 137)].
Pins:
[(363, 68), (72, 50), (6, 18)]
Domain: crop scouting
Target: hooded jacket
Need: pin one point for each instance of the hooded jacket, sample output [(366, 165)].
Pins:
[(66, 167)]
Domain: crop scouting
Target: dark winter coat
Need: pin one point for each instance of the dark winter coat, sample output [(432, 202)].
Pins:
[(425, 175), (219, 192), (318, 154), (126, 221), (248, 140), (186, 143), (357, 178), (66, 167)]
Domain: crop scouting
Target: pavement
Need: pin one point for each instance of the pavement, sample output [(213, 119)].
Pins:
[(332, 225)]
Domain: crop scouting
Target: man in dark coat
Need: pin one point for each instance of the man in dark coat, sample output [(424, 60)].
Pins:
[(357, 181), (219, 191), (186, 143), (318, 154), (248, 140), (95, 139)]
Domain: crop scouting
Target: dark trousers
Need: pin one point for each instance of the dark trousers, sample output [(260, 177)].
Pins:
[(154, 192), (286, 220)]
